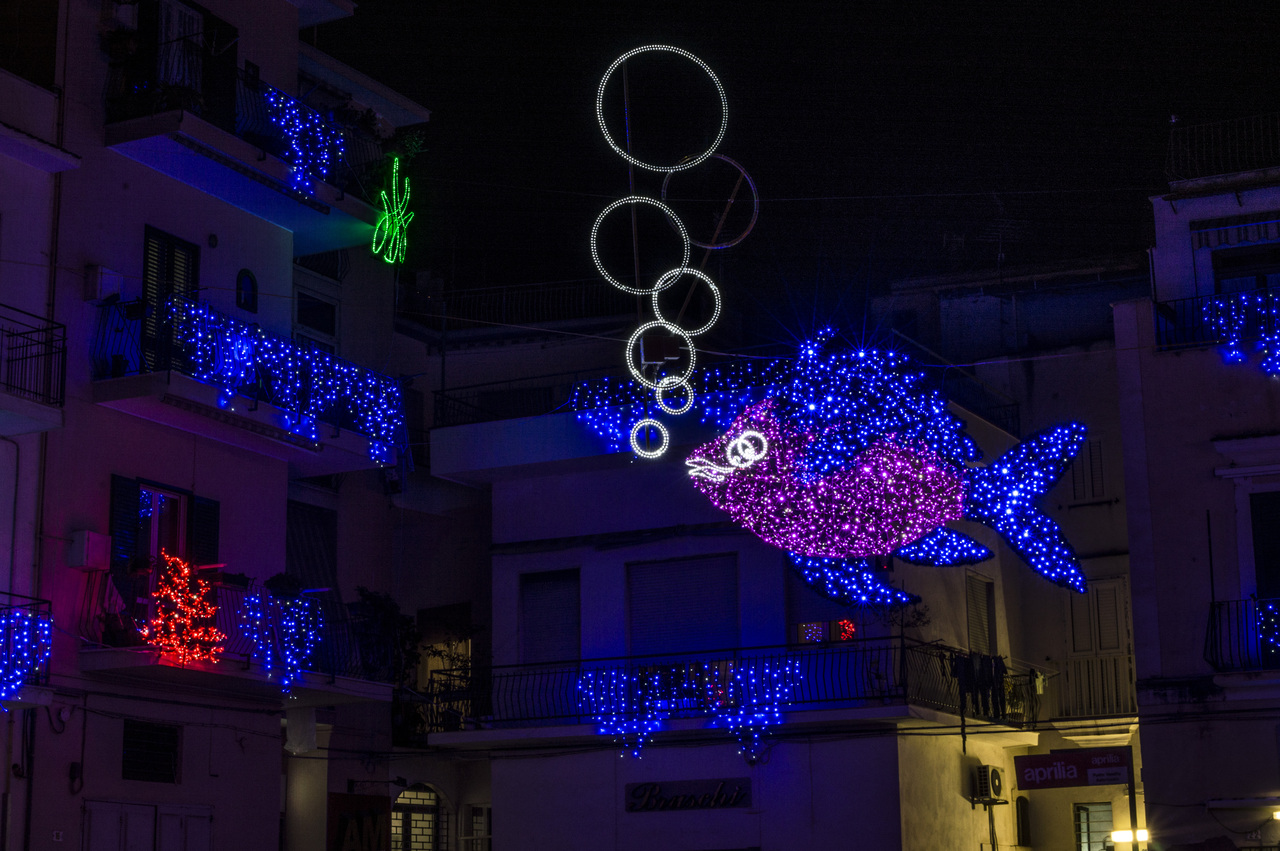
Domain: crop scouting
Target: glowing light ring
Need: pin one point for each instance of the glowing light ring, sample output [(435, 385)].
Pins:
[(746, 449), (635, 438), (755, 207), (663, 48), (669, 383), (639, 376), (675, 275), (595, 249)]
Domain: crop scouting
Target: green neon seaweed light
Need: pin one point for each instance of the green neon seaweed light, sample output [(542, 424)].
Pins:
[(389, 239)]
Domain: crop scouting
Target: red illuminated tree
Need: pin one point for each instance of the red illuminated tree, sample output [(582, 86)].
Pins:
[(181, 625)]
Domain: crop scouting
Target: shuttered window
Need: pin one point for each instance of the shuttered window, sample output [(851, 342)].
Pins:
[(311, 546), (683, 605), (1099, 620), (980, 594), (169, 266), (550, 616), (151, 752)]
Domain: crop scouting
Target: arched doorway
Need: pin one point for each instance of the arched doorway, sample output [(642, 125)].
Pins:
[(418, 821)]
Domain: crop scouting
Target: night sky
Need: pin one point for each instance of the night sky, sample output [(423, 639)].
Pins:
[(886, 139)]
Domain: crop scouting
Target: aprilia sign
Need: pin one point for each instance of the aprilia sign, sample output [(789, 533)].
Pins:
[(1088, 767)]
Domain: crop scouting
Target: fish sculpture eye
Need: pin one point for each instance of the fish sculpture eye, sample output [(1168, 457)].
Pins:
[(746, 449), (741, 452)]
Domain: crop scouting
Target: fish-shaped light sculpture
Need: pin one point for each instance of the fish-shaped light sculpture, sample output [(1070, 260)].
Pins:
[(857, 458)]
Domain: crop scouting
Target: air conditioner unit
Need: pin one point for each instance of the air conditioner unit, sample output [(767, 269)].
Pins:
[(988, 783)]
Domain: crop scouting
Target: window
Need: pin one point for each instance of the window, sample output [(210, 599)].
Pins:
[(980, 594), (1264, 515), (1093, 827), (1248, 268), (1087, 480), (683, 605), (315, 318), (550, 616), (311, 545), (479, 827), (151, 751), (418, 821), (247, 291), (169, 267)]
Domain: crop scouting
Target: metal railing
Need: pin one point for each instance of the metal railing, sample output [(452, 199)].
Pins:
[(1097, 686), (1243, 635), (500, 307), (829, 675), (33, 356), (1185, 322), (141, 336), (1223, 147), (184, 74), (117, 604), (26, 633), (502, 400)]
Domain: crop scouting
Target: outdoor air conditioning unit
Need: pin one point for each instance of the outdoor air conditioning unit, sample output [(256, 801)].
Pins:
[(988, 783)]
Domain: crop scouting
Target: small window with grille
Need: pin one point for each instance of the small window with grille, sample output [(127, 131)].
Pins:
[(151, 752), (1093, 827)]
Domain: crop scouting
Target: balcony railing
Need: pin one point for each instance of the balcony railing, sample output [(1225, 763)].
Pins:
[(33, 356), (835, 675), (26, 640), (503, 400), (311, 385), (1243, 635), (1224, 147), (117, 605), (498, 307), (185, 75)]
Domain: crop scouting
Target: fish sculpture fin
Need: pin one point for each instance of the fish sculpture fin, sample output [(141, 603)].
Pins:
[(848, 581), (943, 547), (1002, 495)]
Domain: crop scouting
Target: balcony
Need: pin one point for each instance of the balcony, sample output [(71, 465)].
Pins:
[(33, 371), (185, 365), (26, 640), (827, 683), (1223, 148), (1243, 635), (199, 119), (350, 660), (1097, 687)]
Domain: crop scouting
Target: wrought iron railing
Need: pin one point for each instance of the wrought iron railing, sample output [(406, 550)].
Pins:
[(33, 356), (26, 641), (142, 336), (504, 307), (183, 74), (1243, 635), (502, 400), (1223, 147), (830, 675), (116, 605), (1189, 322)]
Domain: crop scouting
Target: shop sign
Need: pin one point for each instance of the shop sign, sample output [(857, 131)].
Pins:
[(359, 822), (1086, 767), (673, 796)]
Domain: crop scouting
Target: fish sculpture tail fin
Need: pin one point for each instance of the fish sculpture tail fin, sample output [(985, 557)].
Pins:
[(1003, 496), (849, 581)]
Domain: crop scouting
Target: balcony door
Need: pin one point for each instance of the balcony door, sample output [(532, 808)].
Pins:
[(169, 267), (686, 605), (1099, 666)]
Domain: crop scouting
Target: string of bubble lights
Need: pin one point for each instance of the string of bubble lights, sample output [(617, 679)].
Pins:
[(315, 145), (643, 428), (26, 638), (390, 239), (746, 697), (182, 625), (857, 457), (308, 383)]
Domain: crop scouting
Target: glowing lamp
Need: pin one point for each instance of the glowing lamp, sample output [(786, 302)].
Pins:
[(1127, 835)]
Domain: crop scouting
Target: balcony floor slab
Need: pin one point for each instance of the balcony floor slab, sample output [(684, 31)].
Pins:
[(23, 416)]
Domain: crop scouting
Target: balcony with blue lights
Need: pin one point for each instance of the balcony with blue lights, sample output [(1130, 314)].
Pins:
[(185, 365), (187, 112), (26, 642), (296, 649), (747, 693)]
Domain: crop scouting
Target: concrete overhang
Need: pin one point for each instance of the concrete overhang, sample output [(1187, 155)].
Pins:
[(390, 104), (313, 12), (178, 401), (208, 158), (23, 416)]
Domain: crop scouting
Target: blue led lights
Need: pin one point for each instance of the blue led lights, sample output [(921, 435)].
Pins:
[(746, 697), (26, 640), (750, 701), (1233, 317), (309, 384), (315, 145), (848, 581), (284, 633)]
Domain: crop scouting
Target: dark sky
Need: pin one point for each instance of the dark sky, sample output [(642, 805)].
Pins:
[(873, 130)]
